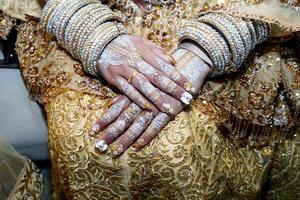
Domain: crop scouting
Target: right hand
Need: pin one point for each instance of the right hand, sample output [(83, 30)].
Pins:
[(144, 73)]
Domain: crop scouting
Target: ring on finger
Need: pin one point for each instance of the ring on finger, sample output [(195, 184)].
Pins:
[(132, 76)]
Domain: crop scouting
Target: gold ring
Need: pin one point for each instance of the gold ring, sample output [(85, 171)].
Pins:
[(131, 76)]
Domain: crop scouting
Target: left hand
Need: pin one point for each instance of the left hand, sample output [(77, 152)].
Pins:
[(135, 127)]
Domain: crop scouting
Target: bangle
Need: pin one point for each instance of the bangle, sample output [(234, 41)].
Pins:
[(82, 27), (67, 13), (96, 43), (211, 41), (92, 24), (263, 30), (223, 25), (79, 22), (197, 51), (253, 34), (245, 34), (47, 11)]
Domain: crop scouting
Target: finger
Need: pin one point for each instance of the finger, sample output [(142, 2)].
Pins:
[(133, 94), (131, 135), (153, 94), (119, 104), (171, 72), (160, 80), (111, 133), (157, 124), (159, 52), (174, 74)]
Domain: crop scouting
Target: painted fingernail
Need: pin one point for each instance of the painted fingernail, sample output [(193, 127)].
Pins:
[(95, 129), (138, 144), (189, 87), (118, 151), (148, 106), (186, 98), (168, 108), (173, 61), (101, 145)]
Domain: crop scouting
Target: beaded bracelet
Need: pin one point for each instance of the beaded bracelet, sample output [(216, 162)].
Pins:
[(245, 34), (68, 12), (92, 24), (47, 11), (231, 33), (79, 22), (96, 43)]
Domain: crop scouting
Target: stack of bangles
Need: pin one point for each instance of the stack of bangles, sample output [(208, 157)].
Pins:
[(226, 39), (83, 27)]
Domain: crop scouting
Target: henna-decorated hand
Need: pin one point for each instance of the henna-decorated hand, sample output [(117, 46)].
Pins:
[(136, 127), (144, 73)]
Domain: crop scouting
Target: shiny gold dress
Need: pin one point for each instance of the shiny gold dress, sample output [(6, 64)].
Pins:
[(239, 139)]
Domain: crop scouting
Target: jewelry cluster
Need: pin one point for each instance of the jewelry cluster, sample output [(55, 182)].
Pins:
[(83, 27)]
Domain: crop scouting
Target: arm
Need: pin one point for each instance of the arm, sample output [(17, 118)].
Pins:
[(194, 58), (95, 35)]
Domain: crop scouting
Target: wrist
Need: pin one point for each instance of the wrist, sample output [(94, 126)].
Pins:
[(192, 67), (197, 50)]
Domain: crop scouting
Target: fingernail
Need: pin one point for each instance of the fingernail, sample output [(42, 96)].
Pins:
[(168, 108), (189, 87), (148, 106), (101, 145), (173, 61), (118, 151), (95, 129), (138, 144), (186, 98)]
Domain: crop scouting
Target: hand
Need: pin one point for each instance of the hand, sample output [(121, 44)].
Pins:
[(144, 74), (136, 127)]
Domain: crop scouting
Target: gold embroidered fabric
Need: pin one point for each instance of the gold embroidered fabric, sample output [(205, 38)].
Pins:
[(250, 151), (6, 24), (19, 9)]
